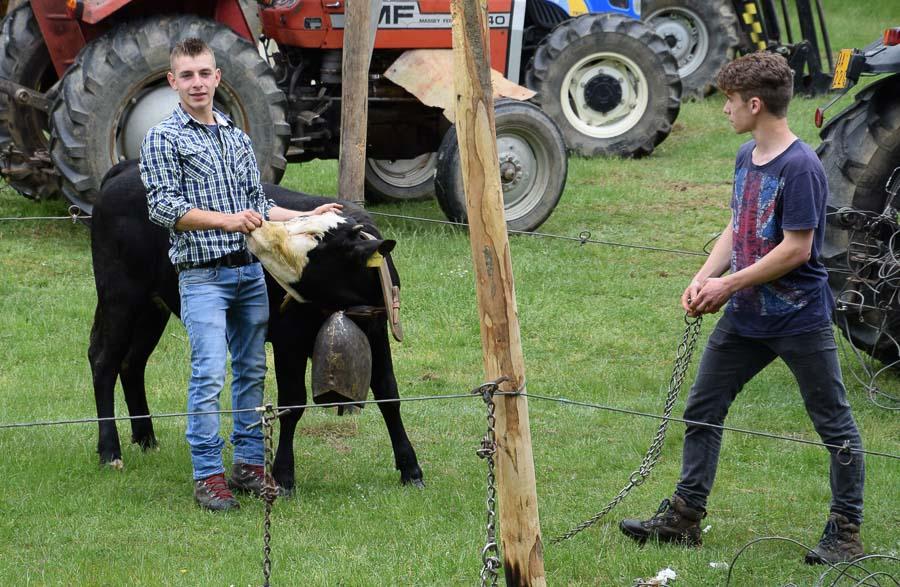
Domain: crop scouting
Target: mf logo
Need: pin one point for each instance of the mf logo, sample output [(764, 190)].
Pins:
[(394, 14), (404, 14)]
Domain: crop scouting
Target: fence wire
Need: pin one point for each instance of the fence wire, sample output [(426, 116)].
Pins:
[(583, 238), (560, 400)]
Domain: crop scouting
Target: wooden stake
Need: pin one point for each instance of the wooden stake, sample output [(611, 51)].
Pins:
[(355, 100), (520, 532)]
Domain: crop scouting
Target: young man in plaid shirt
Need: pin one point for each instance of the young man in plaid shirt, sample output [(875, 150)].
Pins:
[(203, 185)]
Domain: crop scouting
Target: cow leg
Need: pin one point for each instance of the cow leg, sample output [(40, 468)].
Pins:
[(290, 373), (384, 386), (110, 340), (149, 326)]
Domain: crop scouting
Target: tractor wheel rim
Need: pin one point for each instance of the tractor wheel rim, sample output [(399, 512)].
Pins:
[(686, 35), (524, 165), (634, 89), (405, 173)]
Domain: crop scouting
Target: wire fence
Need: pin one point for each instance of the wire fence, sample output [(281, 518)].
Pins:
[(846, 449)]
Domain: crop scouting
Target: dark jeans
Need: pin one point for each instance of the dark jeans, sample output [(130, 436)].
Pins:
[(729, 361)]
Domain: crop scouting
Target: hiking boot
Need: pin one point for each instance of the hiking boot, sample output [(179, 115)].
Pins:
[(213, 494), (251, 479), (840, 543), (246, 478), (674, 521)]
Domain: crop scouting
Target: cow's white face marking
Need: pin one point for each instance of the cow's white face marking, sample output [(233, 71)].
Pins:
[(283, 247)]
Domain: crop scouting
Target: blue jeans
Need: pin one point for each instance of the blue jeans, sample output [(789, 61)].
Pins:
[(224, 309), (729, 361)]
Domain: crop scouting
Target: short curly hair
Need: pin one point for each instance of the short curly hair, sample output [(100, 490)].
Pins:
[(190, 47), (763, 74)]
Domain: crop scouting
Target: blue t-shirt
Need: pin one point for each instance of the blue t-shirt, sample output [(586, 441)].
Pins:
[(787, 193)]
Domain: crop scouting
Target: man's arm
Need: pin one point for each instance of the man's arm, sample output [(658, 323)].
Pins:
[(161, 175), (280, 214), (789, 254), (197, 219), (716, 264)]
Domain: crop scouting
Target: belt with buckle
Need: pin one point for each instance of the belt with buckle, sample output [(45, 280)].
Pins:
[(235, 259)]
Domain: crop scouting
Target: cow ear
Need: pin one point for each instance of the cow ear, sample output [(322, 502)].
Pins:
[(386, 246), (373, 251)]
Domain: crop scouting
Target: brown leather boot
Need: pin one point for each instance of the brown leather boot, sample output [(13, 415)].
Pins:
[(212, 494), (674, 521), (247, 478), (840, 543)]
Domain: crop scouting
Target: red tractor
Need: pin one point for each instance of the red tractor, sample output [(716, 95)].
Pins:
[(82, 81)]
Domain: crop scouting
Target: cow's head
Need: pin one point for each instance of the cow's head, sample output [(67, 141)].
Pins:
[(324, 259)]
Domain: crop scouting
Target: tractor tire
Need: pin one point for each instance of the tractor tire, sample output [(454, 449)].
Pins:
[(400, 180), (533, 167), (24, 134), (116, 90), (609, 82), (860, 149), (702, 35), (7, 6)]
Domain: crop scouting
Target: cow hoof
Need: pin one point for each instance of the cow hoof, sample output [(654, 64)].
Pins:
[(417, 483), (115, 464)]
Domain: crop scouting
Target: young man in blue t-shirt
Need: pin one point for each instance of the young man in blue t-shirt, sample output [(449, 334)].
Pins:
[(779, 305)]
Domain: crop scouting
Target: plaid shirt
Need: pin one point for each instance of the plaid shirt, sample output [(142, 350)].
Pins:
[(184, 165)]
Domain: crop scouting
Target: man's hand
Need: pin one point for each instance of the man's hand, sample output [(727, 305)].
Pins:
[(711, 297), (331, 207), (246, 221), (688, 297)]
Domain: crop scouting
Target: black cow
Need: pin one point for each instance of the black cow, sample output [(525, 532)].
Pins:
[(137, 290)]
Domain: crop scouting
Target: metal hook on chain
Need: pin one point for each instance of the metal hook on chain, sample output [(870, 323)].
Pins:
[(584, 236), (845, 450), (74, 213), (488, 389), (490, 556)]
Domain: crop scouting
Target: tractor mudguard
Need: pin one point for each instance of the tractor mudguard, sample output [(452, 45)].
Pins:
[(427, 74), (578, 7), (864, 94), (67, 30)]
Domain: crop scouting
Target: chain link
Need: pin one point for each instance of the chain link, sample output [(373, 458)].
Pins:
[(270, 490), (490, 554), (679, 371)]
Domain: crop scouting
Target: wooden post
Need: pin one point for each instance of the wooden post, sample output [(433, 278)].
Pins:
[(355, 99), (520, 532)]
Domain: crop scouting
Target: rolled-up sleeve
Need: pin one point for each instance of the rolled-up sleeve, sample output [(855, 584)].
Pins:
[(255, 194), (161, 174)]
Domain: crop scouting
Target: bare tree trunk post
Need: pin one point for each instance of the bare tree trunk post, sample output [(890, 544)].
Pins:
[(520, 532), (354, 101)]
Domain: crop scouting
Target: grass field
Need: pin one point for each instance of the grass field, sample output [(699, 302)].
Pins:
[(599, 324)]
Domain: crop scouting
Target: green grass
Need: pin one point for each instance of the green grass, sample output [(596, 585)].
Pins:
[(599, 324)]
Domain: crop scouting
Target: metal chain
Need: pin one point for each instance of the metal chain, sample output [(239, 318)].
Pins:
[(269, 491), (679, 371), (490, 554)]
